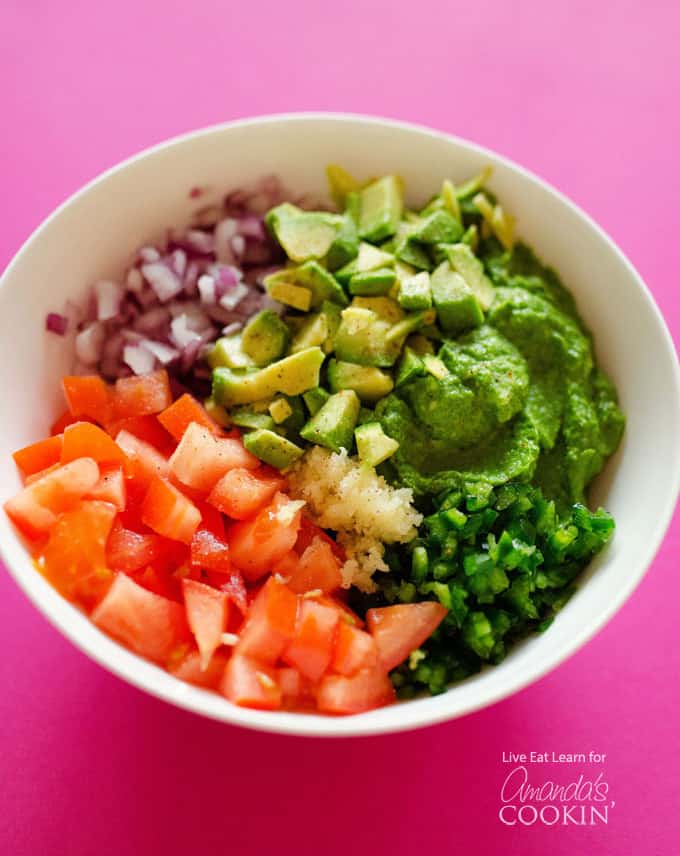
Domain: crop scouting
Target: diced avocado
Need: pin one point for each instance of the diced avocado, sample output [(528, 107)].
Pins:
[(333, 425), (372, 282), (272, 448), (227, 351), (280, 410), (293, 295), (438, 227), (245, 417), (457, 307), (214, 411), (435, 367), (381, 207), (474, 185), (292, 375), (345, 246), (373, 445), (315, 399), (471, 237), (367, 338), (415, 292), (353, 206), (369, 383), (313, 277), (413, 253), (340, 183), (450, 199), (265, 338), (303, 235), (465, 262), (411, 366), (313, 332), (368, 258), (333, 314), (295, 420), (420, 344), (384, 307)]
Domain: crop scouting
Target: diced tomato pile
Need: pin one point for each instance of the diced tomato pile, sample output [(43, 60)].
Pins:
[(184, 547)]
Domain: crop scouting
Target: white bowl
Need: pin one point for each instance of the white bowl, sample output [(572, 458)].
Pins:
[(93, 234)]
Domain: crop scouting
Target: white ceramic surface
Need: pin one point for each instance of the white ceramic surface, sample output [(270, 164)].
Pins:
[(93, 235)]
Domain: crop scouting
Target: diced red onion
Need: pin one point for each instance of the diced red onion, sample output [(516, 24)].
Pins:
[(134, 281), (191, 275), (266, 302), (56, 323), (251, 227), (232, 298), (108, 296), (140, 360), (178, 262), (89, 343), (224, 232), (164, 281), (207, 290), (148, 254), (181, 333), (238, 246), (152, 321), (232, 328), (163, 353)]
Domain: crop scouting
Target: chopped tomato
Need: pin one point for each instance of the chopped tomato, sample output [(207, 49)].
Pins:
[(201, 459), (348, 614), (210, 552), (35, 508), (188, 668), (400, 629), (241, 492), (83, 439), (181, 413), (145, 460), (207, 613), (270, 624), (129, 551), (146, 428), (290, 681), (366, 690), (354, 650), (149, 624), (309, 531), (211, 519), (160, 581), (34, 477), (66, 418), (141, 395), (74, 557), (256, 545), (38, 456), (248, 683), (233, 586), (312, 646), (286, 566), (318, 568), (110, 488), (88, 396), (169, 512)]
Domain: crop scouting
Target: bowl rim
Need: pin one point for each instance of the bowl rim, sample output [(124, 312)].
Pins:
[(420, 712)]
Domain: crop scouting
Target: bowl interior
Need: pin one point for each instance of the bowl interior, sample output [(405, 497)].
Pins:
[(94, 235)]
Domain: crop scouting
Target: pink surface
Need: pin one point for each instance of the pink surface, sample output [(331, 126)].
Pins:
[(585, 96)]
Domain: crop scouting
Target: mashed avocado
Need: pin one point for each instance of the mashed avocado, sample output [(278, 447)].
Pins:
[(523, 399)]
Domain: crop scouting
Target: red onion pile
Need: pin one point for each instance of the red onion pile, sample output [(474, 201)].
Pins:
[(177, 299)]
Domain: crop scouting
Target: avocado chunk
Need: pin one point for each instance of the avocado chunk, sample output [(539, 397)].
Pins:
[(435, 367), (214, 411), (420, 344), (457, 307), (373, 445), (340, 183), (410, 367), (280, 410), (265, 338), (333, 425), (315, 399), (437, 228), (345, 246), (465, 262), (292, 375), (313, 332), (413, 253), (303, 235), (370, 383), (372, 282), (272, 448), (365, 336), (313, 277), (244, 417), (293, 295), (415, 291), (381, 207), (227, 351), (368, 258)]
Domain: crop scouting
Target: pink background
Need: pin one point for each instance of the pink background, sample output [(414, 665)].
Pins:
[(583, 93)]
